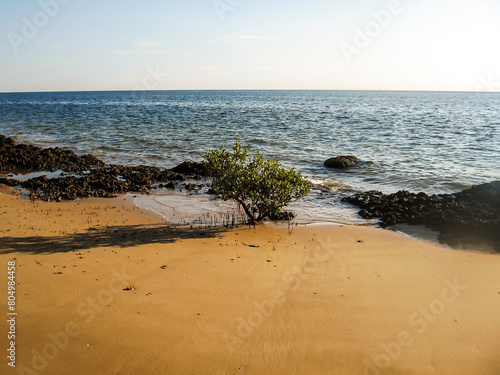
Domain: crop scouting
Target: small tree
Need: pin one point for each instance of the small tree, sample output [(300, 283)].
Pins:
[(262, 186)]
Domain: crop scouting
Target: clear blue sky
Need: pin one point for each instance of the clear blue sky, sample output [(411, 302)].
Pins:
[(249, 44)]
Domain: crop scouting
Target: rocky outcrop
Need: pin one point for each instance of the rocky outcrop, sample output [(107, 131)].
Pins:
[(101, 182), (341, 162), (9, 181), (83, 176), (29, 158), (191, 168), (469, 216)]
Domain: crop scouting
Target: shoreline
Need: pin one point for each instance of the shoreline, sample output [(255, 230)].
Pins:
[(148, 297), (468, 217), (418, 232)]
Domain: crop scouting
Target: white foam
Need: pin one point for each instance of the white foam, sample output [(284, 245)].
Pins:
[(180, 207)]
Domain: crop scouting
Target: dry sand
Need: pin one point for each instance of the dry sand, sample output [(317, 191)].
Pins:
[(271, 300)]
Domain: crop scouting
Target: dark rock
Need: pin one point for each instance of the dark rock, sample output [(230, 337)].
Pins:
[(84, 176), (191, 168), (29, 158), (341, 162), (469, 216), (101, 182), (9, 181), (169, 175), (170, 185)]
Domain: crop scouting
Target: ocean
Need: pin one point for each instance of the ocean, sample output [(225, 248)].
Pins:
[(435, 142)]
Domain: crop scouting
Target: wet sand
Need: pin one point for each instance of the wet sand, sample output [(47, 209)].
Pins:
[(106, 288)]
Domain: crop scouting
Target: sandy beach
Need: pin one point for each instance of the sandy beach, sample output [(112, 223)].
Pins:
[(106, 288)]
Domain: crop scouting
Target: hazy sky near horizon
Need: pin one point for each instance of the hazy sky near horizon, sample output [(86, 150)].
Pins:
[(69, 45)]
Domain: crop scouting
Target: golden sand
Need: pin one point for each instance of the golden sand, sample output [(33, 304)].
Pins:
[(105, 288)]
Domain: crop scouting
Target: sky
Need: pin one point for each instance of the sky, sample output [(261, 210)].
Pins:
[(87, 45)]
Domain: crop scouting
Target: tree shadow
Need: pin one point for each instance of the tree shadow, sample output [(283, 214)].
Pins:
[(116, 236)]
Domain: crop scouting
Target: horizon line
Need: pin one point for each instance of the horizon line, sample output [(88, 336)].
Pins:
[(172, 90)]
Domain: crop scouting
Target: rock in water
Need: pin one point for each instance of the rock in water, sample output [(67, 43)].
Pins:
[(191, 168), (341, 162)]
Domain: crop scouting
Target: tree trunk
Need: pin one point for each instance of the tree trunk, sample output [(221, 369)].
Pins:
[(252, 218)]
